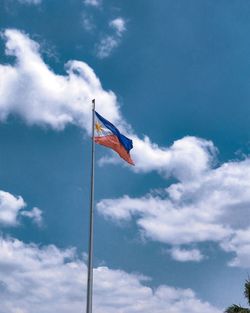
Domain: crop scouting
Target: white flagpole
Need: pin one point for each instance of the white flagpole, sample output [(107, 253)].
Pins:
[(91, 220)]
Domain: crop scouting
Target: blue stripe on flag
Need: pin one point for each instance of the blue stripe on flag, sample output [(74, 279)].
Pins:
[(125, 141)]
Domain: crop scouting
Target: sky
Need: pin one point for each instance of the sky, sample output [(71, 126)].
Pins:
[(171, 234)]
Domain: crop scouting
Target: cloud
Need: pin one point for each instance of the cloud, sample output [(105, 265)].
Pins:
[(109, 42), (9, 208), (119, 25), (106, 46), (239, 244), (184, 255), (32, 91), (185, 159), (12, 207), (162, 220), (47, 279), (213, 206), (35, 214), (212, 200)]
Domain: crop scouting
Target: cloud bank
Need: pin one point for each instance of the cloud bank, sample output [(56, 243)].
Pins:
[(207, 203), (47, 280), (214, 206), (32, 91)]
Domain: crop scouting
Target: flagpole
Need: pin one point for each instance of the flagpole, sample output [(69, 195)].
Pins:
[(91, 220)]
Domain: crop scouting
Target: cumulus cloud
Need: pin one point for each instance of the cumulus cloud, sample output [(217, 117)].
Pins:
[(212, 200), (31, 90), (214, 206), (9, 208), (185, 255), (47, 279), (239, 244), (12, 207), (185, 159), (109, 42)]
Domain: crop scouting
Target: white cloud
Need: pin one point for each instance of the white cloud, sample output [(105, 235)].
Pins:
[(30, 1), (214, 206), (9, 208), (35, 214), (186, 159), (34, 279), (106, 46), (94, 3), (185, 255), (12, 207), (162, 220), (209, 199), (239, 244), (109, 42), (119, 25), (31, 90)]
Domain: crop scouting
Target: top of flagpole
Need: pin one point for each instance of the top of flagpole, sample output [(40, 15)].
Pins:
[(93, 103)]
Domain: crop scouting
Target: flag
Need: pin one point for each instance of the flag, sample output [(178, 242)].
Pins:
[(108, 135)]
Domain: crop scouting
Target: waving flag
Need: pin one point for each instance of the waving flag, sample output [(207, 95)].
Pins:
[(108, 135)]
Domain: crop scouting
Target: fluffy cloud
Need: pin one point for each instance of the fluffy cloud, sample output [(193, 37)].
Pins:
[(11, 207), (214, 206), (119, 25), (239, 243), (34, 279), (185, 159), (161, 220), (206, 204), (31, 90)]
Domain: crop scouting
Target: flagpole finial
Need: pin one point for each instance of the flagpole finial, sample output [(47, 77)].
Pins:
[(93, 104)]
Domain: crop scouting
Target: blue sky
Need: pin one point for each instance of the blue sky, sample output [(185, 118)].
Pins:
[(171, 233)]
